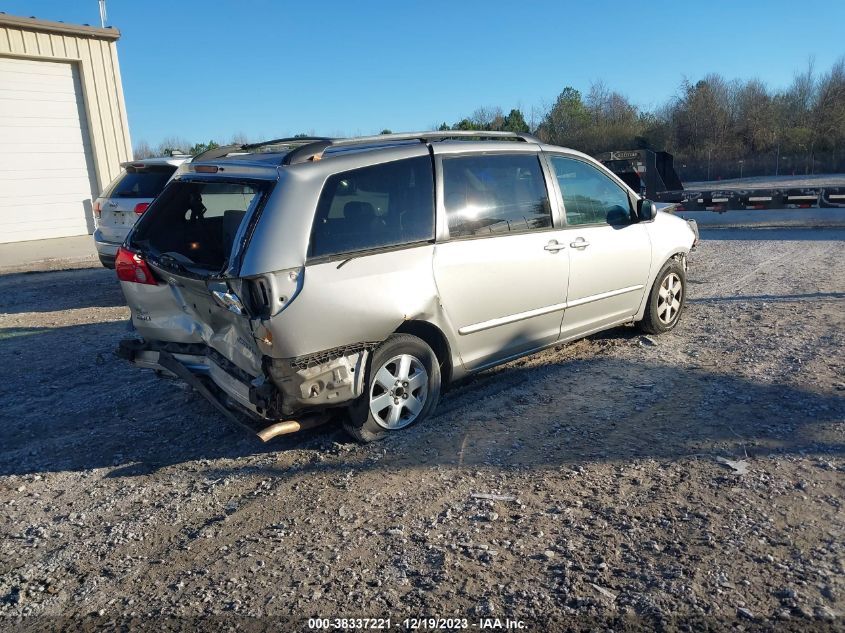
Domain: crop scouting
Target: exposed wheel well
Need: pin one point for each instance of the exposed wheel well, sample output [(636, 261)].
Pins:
[(432, 335), (678, 256)]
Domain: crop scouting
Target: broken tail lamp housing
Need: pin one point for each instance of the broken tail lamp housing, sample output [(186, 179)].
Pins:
[(132, 267), (226, 297)]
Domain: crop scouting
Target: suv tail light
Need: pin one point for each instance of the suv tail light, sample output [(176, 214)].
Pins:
[(141, 207), (132, 267), (97, 210)]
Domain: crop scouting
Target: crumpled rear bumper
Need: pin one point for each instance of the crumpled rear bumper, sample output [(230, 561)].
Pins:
[(213, 380), (291, 386), (199, 361)]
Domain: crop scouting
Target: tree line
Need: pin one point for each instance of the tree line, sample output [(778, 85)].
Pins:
[(716, 128)]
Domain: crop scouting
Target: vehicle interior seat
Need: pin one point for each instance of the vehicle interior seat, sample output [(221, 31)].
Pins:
[(361, 226)]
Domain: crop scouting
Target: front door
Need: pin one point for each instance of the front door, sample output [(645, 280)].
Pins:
[(502, 271), (609, 252)]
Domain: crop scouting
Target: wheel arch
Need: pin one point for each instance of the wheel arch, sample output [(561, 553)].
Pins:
[(674, 254), (436, 339)]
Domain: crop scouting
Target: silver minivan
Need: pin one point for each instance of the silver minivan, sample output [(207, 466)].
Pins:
[(126, 198), (308, 277)]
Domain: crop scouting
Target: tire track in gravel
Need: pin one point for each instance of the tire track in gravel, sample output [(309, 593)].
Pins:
[(166, 549), (717, 278), (828, 272), (728, 283), (247, 510)]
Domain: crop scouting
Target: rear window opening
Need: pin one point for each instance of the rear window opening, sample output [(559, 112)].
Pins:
[(140, 182), (193, 224)]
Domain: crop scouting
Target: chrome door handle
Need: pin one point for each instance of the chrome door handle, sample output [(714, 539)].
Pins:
[(554, 246), (579, 243)]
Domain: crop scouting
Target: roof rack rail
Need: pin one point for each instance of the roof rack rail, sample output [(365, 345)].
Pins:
[(314, 151), (224, 150)]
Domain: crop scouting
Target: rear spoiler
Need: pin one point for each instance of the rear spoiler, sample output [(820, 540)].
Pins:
[(140, 164)]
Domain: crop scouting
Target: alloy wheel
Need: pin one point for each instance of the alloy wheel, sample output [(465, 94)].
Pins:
[(398, 392), (669, 298)]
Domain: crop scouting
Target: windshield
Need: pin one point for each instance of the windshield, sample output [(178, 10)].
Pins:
[(195, 223), (144, 182)]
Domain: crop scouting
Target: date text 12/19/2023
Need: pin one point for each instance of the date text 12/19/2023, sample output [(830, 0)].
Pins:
[(416, 624)]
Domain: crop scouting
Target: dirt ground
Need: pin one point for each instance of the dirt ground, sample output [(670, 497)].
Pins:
[(125, 496)]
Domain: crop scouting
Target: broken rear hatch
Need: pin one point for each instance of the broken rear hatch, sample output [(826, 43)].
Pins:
[(192, 240)]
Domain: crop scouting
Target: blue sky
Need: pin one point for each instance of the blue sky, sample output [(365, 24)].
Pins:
[(264, 68)]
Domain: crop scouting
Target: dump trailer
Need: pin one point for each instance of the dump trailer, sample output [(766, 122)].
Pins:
[(645, 171)]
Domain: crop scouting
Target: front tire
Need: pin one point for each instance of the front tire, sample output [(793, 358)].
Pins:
[(402, 388), (666, 300)]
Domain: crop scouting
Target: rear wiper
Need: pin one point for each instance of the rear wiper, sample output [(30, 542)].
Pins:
[(346, 261)]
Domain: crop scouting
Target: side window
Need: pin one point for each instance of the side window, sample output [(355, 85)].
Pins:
[(487, 195), (589, 196), (373, 207)]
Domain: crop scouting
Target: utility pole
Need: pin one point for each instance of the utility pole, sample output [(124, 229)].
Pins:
[(777, 160)]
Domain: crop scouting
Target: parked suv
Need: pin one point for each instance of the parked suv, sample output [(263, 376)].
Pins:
[(126, 198), (363, 275)]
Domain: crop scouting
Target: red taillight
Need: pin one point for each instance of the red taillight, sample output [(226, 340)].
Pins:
[(97, 210), (141, 207), (132, 267)]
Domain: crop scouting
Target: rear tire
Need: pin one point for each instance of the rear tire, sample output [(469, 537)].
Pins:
[(402, 387), (666, 300)]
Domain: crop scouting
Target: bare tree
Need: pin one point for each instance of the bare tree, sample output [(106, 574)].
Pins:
[(240, 138), (141, 150), (488, 118), (172, 144)]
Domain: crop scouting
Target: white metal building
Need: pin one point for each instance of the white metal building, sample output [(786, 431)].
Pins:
[(63, 126)]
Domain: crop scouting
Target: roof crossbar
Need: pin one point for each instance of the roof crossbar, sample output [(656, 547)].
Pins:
[(314, 151), (224, 150)]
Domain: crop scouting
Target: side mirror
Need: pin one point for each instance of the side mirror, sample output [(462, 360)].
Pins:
[(645, 210)]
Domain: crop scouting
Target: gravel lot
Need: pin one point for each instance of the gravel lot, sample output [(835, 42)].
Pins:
[(125, 496)]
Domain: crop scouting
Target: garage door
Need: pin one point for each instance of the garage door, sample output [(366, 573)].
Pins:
[(46, 169)]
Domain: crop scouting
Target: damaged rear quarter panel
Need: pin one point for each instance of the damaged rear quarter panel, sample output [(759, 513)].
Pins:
[(183, 311), (364, 298)]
